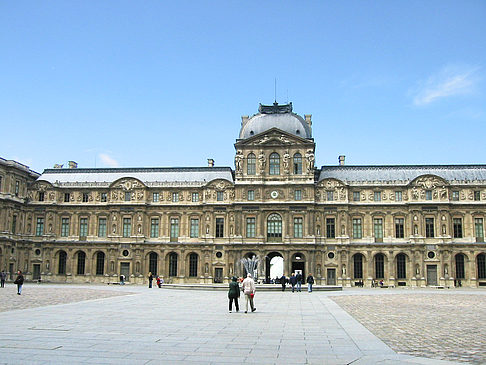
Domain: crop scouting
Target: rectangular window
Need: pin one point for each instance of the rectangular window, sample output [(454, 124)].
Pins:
[(155, 197), (219, 196), (219, 227), (174, 229), (477, 195), (39, 228), (154, 227), (479, 229), (250, 227), (102, 227), (195, 197), (14, 224), (103, 197), (330, 228), (399, 228), (377, 196), (398, 196), (455, 195), (298, 231), (251, 195), (428, 194), (85, 197), (17, 188), (194, 228), (457, 227), (356, 196), (83, 227), (330, 196), (175, 197), (429, 228), (298, 195), (0, 183), (41, 196), (357, 229), (378, 228), (128, 196), (67, 197), (64, 227), (127, 227)]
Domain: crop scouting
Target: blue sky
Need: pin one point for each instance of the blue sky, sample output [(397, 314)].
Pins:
[(157, 83)]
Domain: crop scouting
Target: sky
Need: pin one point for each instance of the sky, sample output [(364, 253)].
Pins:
[(165, 83)]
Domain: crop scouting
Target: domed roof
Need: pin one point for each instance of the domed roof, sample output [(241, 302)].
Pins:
[(276, 116)]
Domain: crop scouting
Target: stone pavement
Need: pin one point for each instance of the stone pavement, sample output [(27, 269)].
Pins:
[(160, 326)]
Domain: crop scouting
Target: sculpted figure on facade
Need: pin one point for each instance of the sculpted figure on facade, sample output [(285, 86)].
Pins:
[(285, 159), (239, 162), (262, 161), (309, 155)]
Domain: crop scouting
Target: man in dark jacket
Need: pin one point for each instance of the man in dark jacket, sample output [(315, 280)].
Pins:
[(283, 281), (233, 294), (293, 281), (19, 281), (310, 282), (298, 277)]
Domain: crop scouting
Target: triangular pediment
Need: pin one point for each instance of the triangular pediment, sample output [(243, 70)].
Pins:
[(274, 137)]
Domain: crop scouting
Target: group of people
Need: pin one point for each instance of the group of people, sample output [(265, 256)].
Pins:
[(158, 280), (19, 280), (296, 281), (248, 287)]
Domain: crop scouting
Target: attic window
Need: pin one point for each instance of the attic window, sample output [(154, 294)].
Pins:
[(251, 133), (297, 131)]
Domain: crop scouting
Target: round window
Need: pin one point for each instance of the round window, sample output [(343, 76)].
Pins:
[(431, 255), (37, 252), (125, 253), (330, 255), (219, 254)]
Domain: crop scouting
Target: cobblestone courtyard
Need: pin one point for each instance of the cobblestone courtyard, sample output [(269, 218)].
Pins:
[(438, 325), (56, 324)]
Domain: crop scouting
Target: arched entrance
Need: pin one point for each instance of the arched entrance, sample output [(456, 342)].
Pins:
[(298, 264), (274, 266)]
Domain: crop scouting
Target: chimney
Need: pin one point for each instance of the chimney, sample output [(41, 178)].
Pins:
[(72, 165), (210, 162), (244, 120), (341, 160)]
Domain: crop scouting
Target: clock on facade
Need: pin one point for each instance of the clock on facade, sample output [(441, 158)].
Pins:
[(274, 194)]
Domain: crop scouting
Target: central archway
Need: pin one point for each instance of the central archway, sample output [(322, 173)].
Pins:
[(274, 266)]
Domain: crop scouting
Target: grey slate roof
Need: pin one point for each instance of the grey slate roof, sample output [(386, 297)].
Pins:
[(288, 122), (404, 174), (194, 176)]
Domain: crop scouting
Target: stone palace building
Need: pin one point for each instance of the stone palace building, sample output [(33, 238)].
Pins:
[(406, 225)]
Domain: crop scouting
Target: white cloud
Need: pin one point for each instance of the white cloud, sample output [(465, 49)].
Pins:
[(449, 81), (108, 160)]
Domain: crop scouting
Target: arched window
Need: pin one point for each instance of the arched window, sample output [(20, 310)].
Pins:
[(274, 168), (173, 264), (153, 258), (297, 164), (379, 266), (481, 261), (460, 272), (81, 263), (274, 227), (193, 265), (100, 263), (358, 266), (251, 164), (61, 269), (401, 268)]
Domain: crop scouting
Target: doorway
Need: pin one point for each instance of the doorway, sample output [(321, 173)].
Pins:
[(432, 275), (274, 266), (298, 264), (125, 270), (331, 277), (218, 275), (36, 272)]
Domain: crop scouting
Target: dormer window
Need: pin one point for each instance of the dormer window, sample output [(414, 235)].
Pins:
[(297, 164), (297, 131), (252, 133), (251, 164), (274, 164)]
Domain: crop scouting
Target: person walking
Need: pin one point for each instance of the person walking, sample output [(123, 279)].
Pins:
[(310, 282), (248, 287), (150, 278), (283, 281), (3, 276), (298, 277), (19, 281), (293, 281), (234, 294)]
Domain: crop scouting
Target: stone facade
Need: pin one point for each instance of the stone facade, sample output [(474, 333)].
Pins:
[(405, 225)]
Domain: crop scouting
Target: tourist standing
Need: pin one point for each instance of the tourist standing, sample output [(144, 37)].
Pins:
[(19, 281), (310, 282), (283, 282), (3, 276), (249, 291), (293, 281), (234, 294), (299, 281), (150, 278)]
